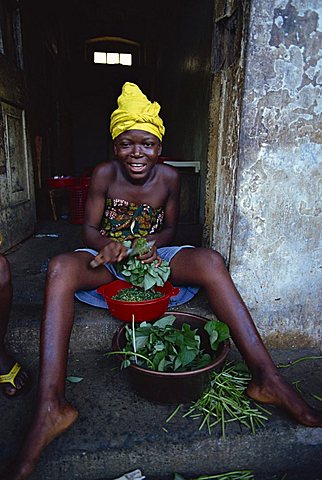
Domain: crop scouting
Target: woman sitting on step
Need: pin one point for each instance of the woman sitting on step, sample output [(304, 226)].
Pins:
[(134, 193)]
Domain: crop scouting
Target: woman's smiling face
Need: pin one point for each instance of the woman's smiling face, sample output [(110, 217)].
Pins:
[(138, 152)]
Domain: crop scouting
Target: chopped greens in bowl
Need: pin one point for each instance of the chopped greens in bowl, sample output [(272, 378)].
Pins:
[(133, 294)]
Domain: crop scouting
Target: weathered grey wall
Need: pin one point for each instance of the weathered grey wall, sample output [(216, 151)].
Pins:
[(229, 45), (276, 255)]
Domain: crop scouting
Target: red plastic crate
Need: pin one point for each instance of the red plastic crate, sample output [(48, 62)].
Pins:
[(62, 182), (77, 201)]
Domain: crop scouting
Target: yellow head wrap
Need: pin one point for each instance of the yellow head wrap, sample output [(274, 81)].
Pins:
[(136, 112)]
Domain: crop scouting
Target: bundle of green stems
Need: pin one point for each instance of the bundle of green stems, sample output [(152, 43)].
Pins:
[(224, 401), (237, 475)]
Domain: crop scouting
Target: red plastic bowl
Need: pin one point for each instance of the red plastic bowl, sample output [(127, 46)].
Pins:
[(143, 311)]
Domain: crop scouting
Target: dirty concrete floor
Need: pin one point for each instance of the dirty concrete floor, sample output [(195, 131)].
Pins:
[(118, 431)]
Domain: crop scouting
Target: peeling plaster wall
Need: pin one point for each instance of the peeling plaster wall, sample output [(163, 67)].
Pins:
[(276, 249)]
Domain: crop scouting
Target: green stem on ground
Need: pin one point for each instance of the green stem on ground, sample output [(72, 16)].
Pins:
[(298, 360)]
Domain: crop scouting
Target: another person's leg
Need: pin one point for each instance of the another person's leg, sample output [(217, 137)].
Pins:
[(205, 267), (12, 376), (66, 274)]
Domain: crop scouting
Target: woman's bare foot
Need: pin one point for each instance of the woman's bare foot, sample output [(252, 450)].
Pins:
[(50, 422), (21, 379), (274, 390)]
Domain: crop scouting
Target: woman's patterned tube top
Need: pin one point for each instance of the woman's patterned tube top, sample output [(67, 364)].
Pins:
[(127, 220)]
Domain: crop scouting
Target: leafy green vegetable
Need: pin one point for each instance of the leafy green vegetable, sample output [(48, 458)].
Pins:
[(144, 275), (73, 379), (169, 349), (218, 332), (141, 246)]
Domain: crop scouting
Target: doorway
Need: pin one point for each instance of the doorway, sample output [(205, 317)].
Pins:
[(189, 58)]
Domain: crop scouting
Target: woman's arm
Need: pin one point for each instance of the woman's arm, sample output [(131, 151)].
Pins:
[(165, 237), (171, 214), (109, 249)]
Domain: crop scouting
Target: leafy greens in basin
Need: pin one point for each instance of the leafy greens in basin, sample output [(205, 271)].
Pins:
[(162, 347)]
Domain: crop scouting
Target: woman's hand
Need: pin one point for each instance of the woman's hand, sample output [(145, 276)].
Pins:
[(113, 252), (150, 256)]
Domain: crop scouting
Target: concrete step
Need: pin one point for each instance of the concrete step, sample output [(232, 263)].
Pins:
[(93, 327), (118, 431)]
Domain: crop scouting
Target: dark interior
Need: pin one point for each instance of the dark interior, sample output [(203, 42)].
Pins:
[(71, 98)]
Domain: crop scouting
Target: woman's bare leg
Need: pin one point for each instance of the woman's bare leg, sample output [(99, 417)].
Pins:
[(6, 361), (66, 274), (205, 267)]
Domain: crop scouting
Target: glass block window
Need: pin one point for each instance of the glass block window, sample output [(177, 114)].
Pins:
[(113, 58)]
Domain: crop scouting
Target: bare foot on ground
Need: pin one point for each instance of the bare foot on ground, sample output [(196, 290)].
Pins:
[(21, 380), (48, 424), (276, 391)]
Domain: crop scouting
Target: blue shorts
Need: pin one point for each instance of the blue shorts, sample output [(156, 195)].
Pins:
[(91, 297)]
